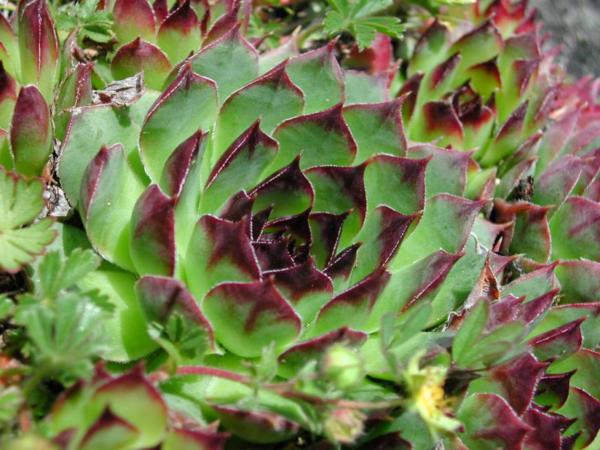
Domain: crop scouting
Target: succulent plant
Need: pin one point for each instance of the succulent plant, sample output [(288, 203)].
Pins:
[(294, 267)]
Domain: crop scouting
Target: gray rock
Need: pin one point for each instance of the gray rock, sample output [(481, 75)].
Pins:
[(574, 24)]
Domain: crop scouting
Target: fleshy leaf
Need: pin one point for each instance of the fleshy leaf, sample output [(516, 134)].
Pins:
[(179, 35), (377, 128), (576, 230), (288, 191), (547, 429), (39, 47), (75, 91), (579, 280), (322, 139), (430, 48), (240, 167), (166, 301), (586, 409), (189, 103), (352, 307), (271, 98), (141, 56), (8, 97), (558, 343), (152, 242), (182, 439), (31, 132), (490, 422), (230, 61), (21, 201), (109, 432), (305, 287), (319, 76), (109, 191), (445, 225), (134, 19), (250, 316), (133, 398), (219, 251), (297, 356)]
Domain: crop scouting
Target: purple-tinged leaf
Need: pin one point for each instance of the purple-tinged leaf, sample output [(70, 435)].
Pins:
[(305, 287), (517, 83), (547, 429), (479, 45), (288, 191), (31, 132), (9, 48), (586, 409), (39, 47), (352, 307), (362, 87), (292, 360), (530, 234), (446, 224), (341, 190), (247, 317), (271, 98), (586, 365), (184, 439), (446, 170), (558, 343), (563, 314), (404, 189), (326, 231), (377, 128), (515, 184), (179, 167), (409, 92), (508, 138), (152, 244), (8, 97), (219, 251), (187, 105), (273, 254), (553, 390), (341, 265), (579, 281), (75, 91), (321, 138), (319, 76), (240, 167), (231, 61), (259, 220), (224, 23), (485, 78), (438, 123), (430, 48), (294, 228), (109, 191), (141, 56), (161, 10), (558, 181), (109, 431), (533, 284), (179, 35), (515, 380), (418, 282), (134, 19), (532, 310), (441, 79), (478, 124), (380, 238), (167, 302), (256, 426), (491, 423), (576, 230), (133, 398)]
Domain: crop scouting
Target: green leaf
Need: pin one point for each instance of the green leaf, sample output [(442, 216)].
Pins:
[(21, 202), (55, 275), (470, 331)]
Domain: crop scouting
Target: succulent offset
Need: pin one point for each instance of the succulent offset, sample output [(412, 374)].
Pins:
[(316, 256)]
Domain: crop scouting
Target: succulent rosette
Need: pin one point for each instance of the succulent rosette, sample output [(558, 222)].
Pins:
[(315, 256)]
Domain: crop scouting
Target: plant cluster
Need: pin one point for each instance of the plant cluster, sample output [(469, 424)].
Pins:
[(271, 241)]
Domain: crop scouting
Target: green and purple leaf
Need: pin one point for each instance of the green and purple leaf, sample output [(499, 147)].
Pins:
[(134, 19), (141, 56), (179, 34)]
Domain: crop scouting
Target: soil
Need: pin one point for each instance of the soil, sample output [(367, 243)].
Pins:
[(575, 24)]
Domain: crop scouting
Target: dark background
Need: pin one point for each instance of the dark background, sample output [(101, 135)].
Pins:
[(576, 25)]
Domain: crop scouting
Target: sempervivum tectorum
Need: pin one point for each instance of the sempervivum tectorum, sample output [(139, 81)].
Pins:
[(298, 271)]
